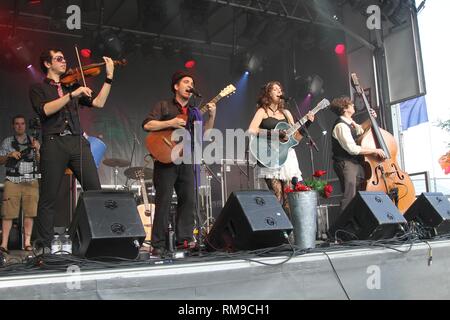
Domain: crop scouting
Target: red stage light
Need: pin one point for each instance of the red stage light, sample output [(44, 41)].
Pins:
[(189, 64), (34, 1), (340, 49), (85, 53)]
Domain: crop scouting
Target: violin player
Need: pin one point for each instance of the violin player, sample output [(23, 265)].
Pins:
[(347, 154), (63, 145)]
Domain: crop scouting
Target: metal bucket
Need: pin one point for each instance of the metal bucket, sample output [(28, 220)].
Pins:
[(303, 207)]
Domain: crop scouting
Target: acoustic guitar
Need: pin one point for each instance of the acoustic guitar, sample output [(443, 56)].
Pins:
[(146, 210), (273, 154), (160, 143)]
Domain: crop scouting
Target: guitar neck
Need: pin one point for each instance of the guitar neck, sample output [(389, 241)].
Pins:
[(144, 192), (216, 99), (302, 121)]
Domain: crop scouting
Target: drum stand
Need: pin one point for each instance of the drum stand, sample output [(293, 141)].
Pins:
[(116, 174), (207, 200)]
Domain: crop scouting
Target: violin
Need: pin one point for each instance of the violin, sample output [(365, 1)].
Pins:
[(384, 175), (74, 75)]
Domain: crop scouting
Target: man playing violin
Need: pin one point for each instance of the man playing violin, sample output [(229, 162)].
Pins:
[(347, 155), (63, 145), (166, 177)]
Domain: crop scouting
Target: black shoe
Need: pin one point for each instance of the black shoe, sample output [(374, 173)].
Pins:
[(4, 250)]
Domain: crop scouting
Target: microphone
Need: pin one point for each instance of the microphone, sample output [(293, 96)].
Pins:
[(284, 98), (194, 92)]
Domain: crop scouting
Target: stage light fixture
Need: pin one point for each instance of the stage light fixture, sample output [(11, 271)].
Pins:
[(315, 85), (86, 53), (246, 62), (17, 53), (340, 49), (253, 62), (188, 57), (109, 44), (190, 64)]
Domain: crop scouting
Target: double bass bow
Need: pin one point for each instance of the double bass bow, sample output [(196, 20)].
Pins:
[(384, 175)]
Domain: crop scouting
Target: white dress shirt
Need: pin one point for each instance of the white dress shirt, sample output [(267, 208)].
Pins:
[(343, 134)]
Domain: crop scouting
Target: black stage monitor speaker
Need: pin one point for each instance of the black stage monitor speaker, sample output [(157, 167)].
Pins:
[(431, 210), (106, 224), (369, 216), (250, 220)]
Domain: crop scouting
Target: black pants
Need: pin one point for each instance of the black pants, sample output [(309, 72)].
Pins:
[(351, 176), (57, 154), (166, 177)]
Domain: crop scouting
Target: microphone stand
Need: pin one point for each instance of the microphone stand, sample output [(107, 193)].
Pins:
[(208, 168), (209, 193), (195, 168), (247, 159), (132, 156), (311, 145), (305, 132)]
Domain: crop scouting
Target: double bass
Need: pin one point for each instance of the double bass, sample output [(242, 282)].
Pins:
[(384, 175)]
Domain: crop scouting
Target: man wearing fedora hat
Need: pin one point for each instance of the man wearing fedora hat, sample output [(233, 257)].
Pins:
[(166, 177)]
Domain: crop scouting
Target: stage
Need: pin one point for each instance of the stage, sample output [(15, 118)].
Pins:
[(235, 53), (381, 270)]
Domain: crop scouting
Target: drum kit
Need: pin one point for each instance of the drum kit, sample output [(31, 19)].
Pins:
[(143, 176), (131, 173)]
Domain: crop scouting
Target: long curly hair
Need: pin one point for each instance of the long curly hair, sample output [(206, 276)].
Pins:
[(265, 100)]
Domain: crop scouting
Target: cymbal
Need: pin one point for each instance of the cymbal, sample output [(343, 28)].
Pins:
[(113, 162), (133, 173)]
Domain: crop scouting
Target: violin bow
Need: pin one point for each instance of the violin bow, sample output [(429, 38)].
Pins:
[(79, 65)]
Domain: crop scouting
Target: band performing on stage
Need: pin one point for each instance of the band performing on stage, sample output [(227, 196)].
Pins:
[(35, 172), (224, 150)]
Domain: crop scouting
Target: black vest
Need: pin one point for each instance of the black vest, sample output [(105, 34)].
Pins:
[(339, 153)]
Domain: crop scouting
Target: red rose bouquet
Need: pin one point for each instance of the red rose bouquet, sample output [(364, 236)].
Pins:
[(317, 184)]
